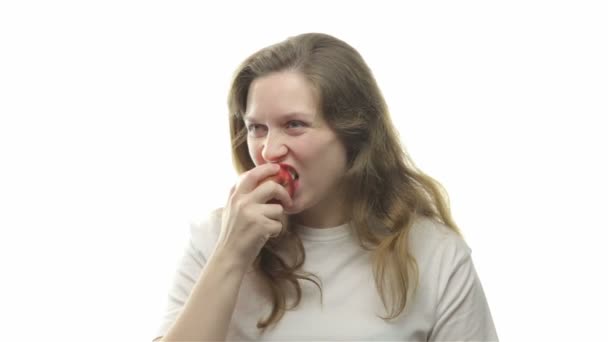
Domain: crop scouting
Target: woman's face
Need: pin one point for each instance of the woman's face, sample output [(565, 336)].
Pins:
[(284, 127)]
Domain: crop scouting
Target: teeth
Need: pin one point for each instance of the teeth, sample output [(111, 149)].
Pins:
[(294, 175)]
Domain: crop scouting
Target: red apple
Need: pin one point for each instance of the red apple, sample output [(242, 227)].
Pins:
[(284, 179)]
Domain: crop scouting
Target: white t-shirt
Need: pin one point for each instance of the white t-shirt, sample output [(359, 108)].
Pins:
[(449, 304)]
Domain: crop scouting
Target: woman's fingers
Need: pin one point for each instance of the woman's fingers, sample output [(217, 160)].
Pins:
[(270, 211), (271, 218), (248, 220), (252, 178), (273, 228), (271, 190)]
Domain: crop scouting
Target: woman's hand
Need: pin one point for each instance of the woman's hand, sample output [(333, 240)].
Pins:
[(248, 221)]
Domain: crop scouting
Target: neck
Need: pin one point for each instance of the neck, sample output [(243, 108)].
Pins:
[(325, 214)]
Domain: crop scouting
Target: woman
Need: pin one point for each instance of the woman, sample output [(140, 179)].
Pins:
[(331, 232)]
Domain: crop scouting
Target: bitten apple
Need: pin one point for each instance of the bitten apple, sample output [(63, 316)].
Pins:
[(284, 178)]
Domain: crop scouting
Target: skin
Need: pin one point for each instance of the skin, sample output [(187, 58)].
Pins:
[(285, 127)]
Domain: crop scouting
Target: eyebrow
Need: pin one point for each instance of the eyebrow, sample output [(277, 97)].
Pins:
[(287, 116)]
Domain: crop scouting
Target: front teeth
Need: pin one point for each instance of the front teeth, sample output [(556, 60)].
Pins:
[(294, 175)]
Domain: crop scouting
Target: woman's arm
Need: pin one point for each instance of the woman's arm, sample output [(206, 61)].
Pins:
[(247, 222), (208, 310)]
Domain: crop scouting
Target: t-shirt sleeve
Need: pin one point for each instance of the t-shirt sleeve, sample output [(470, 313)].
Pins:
[(190, 266), (462, 312)]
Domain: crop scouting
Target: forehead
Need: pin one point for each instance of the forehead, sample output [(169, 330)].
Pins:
[(280, 95)]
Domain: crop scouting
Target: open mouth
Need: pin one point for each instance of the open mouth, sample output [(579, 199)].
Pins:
[(294, 175)]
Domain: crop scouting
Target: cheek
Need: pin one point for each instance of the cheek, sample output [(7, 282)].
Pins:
[(255, 152), (332, 158), (305, 149)]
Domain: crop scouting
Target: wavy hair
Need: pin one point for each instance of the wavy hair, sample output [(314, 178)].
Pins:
[(387, 190)]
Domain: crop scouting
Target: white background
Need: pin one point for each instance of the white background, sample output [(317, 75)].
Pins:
[(114, 137)]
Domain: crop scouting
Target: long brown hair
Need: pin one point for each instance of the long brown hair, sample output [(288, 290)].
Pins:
[(387, 190)]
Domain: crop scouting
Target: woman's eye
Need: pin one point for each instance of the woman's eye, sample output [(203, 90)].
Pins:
[(255, 128), (295, 124)]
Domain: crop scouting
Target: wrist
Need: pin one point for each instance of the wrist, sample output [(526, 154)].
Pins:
[(228, 261)]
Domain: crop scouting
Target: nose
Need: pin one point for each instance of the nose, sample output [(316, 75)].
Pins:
[(274, 149)]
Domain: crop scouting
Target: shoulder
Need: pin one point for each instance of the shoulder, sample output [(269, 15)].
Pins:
[(205, 231), (432, 242)]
